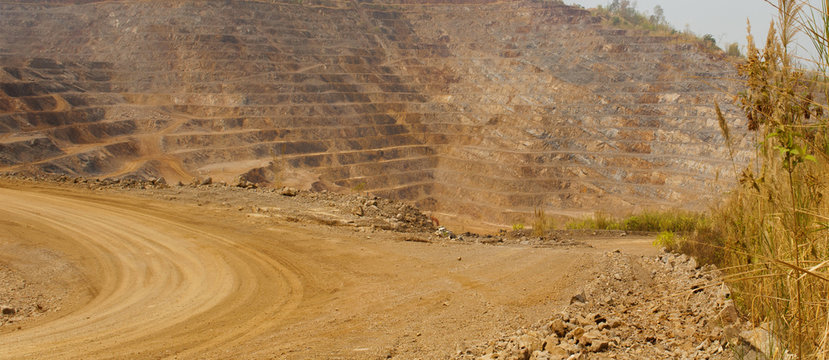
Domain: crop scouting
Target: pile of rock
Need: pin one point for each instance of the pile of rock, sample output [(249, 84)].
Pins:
[(503, 237), (365, 210), (381, 213), (637, 308), (128, 182)]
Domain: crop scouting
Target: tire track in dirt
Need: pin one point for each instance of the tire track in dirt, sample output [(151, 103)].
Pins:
[(170, 279), (161, 286)]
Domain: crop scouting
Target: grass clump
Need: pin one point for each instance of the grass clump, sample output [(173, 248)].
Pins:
[(542, 223), (599, 221), (675, 221), (648, 221)]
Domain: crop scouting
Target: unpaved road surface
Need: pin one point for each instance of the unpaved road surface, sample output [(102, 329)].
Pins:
[(151, 278)]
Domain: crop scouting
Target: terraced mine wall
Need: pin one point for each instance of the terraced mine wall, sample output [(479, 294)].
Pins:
[(474, 110)]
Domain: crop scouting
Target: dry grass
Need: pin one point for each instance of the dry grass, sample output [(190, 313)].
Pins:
[(542, 223), (676, 221), (772, 234)]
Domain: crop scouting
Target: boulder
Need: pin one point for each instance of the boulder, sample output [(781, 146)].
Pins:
[(558, 353), (590, 338), (289, 191), (578, 298), (728, 315), (559, 327), (762, 341), (529, 342), (550, 342), (576, 333)]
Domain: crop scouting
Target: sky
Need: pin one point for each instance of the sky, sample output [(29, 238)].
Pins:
[(724, 19)]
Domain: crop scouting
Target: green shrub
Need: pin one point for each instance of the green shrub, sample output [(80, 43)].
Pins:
[(709, 41), (667, 240)]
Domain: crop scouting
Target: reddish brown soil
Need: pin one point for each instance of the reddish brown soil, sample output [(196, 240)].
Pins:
[(152, 274)]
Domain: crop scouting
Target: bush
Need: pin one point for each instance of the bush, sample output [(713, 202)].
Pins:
[(705, 244), (667, 240), (709, 41)]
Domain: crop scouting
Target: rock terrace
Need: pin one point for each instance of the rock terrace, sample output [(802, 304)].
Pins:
[(475, 111)]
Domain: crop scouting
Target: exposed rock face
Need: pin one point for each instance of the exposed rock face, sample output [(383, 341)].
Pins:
[(471, 109)]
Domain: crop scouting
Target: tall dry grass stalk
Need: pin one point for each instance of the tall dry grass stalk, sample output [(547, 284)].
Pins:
[(542, 223), (775, 226)]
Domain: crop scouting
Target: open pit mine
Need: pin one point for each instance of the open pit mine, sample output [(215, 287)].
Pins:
[(265, 179), (476, 111)]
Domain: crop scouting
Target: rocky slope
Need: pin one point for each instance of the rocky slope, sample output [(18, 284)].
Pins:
[(474, 110), (639, 308)]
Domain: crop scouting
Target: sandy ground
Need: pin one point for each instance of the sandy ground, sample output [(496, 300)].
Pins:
[(137, 276)]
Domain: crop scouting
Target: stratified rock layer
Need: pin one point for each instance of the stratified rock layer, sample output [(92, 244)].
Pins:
[(474, 110)]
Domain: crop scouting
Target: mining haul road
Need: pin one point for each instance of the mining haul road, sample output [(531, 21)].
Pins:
[(146, 277)]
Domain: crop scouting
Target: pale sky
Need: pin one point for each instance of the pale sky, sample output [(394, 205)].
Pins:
[(725, 19)]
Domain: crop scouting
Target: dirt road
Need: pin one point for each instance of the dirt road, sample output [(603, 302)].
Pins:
[(150, 278)]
